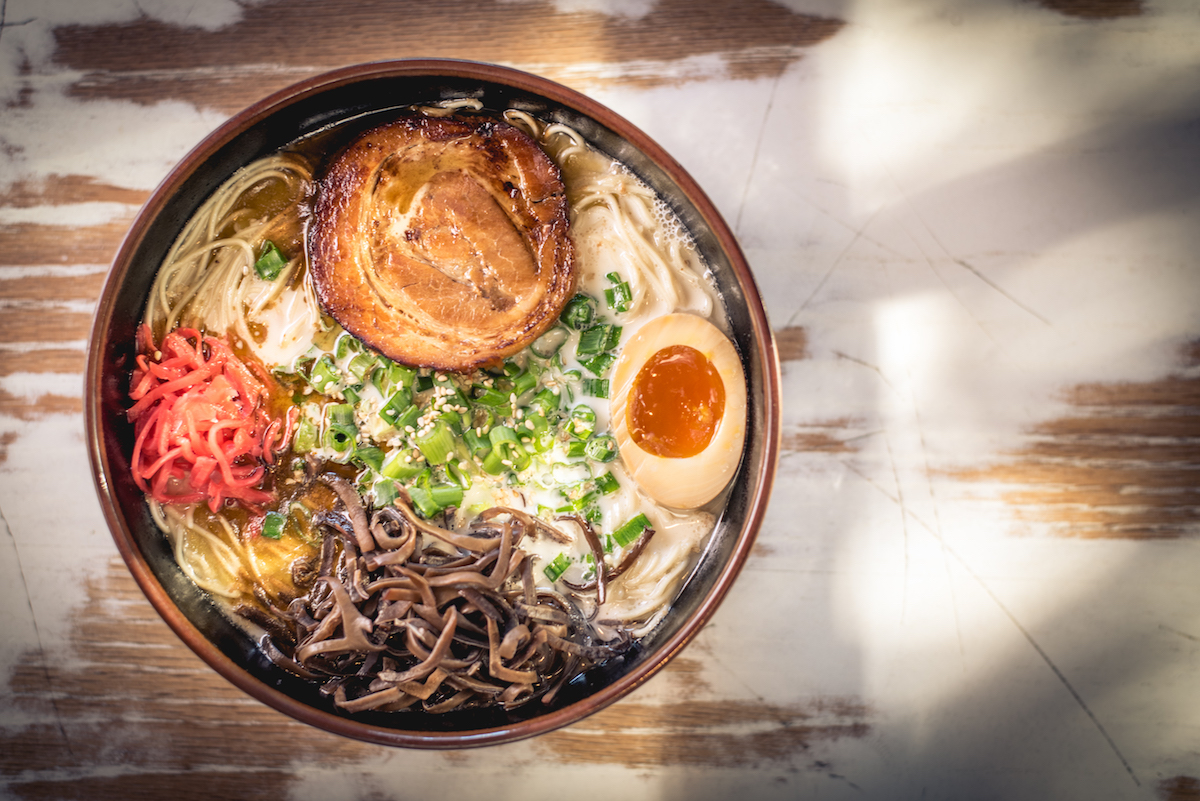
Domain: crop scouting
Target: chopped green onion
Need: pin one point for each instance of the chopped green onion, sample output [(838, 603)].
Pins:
[(557, 566), (446, 494), (423, 500), (582, 422), (396, 405), (408, 417), (582, 501), (475, 442), (437, 444), (386, 492), (602, 448), (619, 296), (492, 398), (430, 498), (361, 365), (350, 395), (579, 312), (347, 344), (305, 438), (607, 484), (524, 382), (270, 262), (340, 413), (391, 377), (598, 339), (545, 402), (340, 438), (371, 456), (506, 450), (628, 533), (400, 465), (595, 387), (454, 420), (599, 365), (272, 527), (324, 375)]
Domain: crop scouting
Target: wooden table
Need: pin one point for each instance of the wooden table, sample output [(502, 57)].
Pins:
[(976, 233)]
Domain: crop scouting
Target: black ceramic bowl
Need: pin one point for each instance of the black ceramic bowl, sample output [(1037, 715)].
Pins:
[(365, 92)]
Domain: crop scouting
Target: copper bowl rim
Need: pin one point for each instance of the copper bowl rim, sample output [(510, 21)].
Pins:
[(148, 580)]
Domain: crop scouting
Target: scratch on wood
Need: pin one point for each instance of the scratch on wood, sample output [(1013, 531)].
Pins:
[(1124, 464)]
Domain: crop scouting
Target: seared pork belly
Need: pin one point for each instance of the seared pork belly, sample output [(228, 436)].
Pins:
[(442, 241)]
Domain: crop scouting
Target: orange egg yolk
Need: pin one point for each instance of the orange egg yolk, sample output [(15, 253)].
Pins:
[(675, 403)]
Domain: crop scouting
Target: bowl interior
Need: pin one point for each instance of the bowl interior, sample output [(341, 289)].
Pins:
[(369, 94)]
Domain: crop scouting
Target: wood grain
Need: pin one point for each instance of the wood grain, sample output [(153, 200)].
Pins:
[(1124, 464), (135, 701), (147, 61)]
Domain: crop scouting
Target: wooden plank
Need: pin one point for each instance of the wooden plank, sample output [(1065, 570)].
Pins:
[(1124, 464), (148, 61)]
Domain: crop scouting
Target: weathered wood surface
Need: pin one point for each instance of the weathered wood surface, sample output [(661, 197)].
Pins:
[(975, 232)]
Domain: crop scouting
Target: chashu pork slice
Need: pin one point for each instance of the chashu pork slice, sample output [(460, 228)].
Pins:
[(442, 241)]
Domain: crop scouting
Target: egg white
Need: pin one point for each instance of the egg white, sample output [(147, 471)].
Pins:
[(691, 482)]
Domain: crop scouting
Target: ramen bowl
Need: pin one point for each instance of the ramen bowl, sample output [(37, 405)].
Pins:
[(364, 93)]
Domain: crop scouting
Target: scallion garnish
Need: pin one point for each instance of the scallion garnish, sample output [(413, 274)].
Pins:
[(598, 365), (436, 443), (370, 456), (595, 387), (582, 422), (619, 295), (400, 465), (305, 438), (579, 312), (270, 262), (396, 405), (628, 532), (272, 527), (557, 566), (324, 376), (602, 448), (598, 339), (361, 365), (607, 484)]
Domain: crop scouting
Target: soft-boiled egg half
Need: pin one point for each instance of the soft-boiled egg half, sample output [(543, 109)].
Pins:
[(678, 409)]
